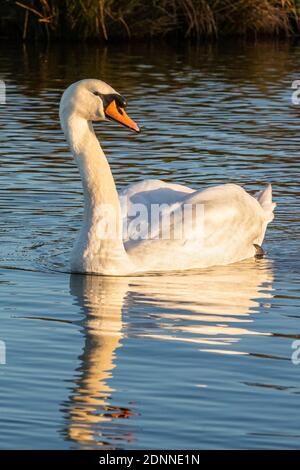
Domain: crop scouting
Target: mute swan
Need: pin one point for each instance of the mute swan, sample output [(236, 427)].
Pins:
[(232, 222)]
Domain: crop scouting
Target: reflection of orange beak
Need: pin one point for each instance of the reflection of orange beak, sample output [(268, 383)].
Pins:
[(118, 114)]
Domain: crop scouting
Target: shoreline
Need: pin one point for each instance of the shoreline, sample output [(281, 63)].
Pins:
[(107, 21)]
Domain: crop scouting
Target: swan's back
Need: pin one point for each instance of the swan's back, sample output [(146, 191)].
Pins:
[(233, 221)]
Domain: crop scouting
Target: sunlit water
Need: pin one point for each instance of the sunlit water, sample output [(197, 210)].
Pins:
[(199, 360)]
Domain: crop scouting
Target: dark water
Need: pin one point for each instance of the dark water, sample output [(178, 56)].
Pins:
[(192, 361)]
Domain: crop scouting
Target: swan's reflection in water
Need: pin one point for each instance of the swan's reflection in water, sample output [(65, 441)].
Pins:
[(101, 300), (211, 308)]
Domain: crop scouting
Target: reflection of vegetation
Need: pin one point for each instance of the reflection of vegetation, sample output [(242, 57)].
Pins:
[(108, 19)]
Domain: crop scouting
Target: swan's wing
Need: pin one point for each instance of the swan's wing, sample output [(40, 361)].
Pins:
[(155, 191), (138, 199), (230, 222), (233, 219)]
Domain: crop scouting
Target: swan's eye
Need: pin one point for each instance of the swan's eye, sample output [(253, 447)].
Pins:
[(110, 97), (96, 93)]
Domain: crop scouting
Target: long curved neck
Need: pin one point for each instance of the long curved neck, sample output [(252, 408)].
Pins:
[(99, 248), (98, 184)]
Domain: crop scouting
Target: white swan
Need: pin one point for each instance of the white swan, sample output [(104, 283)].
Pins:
[(232, 221)]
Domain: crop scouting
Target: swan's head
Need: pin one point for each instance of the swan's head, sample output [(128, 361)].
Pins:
[(95, 100)]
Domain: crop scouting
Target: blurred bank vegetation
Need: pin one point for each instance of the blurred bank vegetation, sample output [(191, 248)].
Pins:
[(110, 20)]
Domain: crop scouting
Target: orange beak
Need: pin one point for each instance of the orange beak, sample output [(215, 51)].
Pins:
[(118, 114)]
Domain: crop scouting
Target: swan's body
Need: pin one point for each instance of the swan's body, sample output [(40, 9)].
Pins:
[(233, 220)]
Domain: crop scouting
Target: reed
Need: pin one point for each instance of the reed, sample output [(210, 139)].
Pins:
[(112, 19)]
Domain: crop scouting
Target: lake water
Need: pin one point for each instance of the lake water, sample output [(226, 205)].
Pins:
[(198, 360)]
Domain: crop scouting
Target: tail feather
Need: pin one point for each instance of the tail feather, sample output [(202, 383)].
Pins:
[(264, 197)]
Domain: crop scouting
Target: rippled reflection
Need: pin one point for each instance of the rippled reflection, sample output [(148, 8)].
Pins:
[(211, 309)]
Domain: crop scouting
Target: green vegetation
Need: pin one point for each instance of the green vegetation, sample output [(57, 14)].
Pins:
[(112, 19)]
